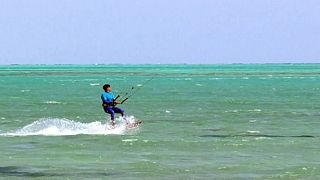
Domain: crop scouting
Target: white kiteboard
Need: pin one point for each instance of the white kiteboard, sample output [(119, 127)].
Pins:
[(130, 125), (134, 124)]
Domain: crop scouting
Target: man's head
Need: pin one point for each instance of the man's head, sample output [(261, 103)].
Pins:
[(107, 88)]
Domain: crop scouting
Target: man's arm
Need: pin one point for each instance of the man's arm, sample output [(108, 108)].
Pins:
[(117, 102), (114, 99)]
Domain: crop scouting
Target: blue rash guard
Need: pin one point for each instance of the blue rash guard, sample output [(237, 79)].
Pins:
[(107, 98)]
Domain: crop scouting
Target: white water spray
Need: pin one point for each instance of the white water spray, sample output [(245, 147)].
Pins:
[(64, 127)]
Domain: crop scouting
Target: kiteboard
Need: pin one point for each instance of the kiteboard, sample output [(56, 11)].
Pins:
[(134, 124), (128, 125)]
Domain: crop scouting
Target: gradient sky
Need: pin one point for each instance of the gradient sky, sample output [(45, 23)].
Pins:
[(159, 31)]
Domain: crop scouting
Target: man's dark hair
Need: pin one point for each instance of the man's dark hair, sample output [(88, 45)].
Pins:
[(105, 86)]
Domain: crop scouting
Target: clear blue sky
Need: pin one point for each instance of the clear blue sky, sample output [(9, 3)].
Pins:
[(159, 31)]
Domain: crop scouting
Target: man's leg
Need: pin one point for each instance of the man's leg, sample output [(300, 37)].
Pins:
[(121, 111), (110, 111)]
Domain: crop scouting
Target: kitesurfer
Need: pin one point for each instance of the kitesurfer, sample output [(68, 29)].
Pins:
[(109, 103)]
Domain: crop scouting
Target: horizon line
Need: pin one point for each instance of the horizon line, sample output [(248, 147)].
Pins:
[(124, 64)]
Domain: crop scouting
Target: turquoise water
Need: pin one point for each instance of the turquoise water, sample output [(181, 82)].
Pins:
[(200, 122)]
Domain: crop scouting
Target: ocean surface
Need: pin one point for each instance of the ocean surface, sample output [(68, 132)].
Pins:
[(200, 122)]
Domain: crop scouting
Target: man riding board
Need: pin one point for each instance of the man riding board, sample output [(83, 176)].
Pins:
[(109, 103)]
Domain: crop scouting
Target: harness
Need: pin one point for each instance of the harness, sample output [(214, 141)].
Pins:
[(107, 105)]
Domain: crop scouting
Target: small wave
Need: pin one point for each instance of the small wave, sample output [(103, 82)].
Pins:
[(253, 132), (90, 80), (67, 80), (215, 78), (254, 110), (95, 84), (65, 127), (262, 138), (129, 140), (233, 111), (52, 102), (25, 90)]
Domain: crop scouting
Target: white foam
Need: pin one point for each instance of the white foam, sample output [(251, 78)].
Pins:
[(52, 102), (261, 138), (129, 140), (25, 90), (215, 78), (253, 132), (234, 111), (67, 80), (90, 80), (254, 110), (65, 127), (95, 84)]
